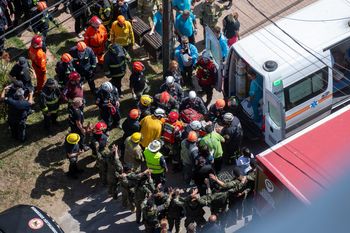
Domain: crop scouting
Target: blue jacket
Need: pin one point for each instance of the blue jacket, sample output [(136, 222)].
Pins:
[(223, 46), (193, 52), (185, 27)]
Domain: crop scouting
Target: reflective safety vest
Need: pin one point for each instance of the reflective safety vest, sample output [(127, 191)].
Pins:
[(153, 161)]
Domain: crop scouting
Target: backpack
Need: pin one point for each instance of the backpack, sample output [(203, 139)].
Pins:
[(189, 115)]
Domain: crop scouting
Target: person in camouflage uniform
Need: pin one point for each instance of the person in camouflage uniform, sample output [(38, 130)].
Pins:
[(114, 170), (145, 10), (210, 14), (177, 211)]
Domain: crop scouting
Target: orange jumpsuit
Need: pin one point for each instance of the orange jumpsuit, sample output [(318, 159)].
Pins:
[(96, 39), (38, 58)]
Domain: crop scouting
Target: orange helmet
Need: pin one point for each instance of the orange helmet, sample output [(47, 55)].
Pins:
[(138, 66), (121, 19), (173, 116), (99, 127), (134, 114), (95, 21), (74, 76), (66, 57), (164, 97), (81, 46), (192, 136), (37, 42), (220, 104), (41, 6)]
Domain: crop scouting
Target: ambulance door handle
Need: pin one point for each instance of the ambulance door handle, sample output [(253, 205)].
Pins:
[(325, 94), (271, 129)]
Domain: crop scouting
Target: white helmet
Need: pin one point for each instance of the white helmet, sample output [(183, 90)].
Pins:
[(206, 55), (107, 86), (159, 112), (228, 117), (192, 94), (195, 125), (154, 146), (169, 80)]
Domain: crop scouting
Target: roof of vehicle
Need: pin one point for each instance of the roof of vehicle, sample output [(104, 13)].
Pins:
[(27, 219), (309, 162), (307, 26)]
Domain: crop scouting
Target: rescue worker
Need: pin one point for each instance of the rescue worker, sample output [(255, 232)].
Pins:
[(104, 10), (213, 140), (133, 155), (3, 27), (76, 121), (84, 61), (189, 153), (138, 81), (99, 138), (130, 125), (38, 59), (166, 102), (122, 8), (176, 211), (151, 127), (222, 41), (73, 88), (233, 134), (255, 94), (80, 11), (128, 181), (145, 10), (18, 110), (194, 102), (185, 26), (172, 129), (108, 102), (173, 88), (186, 55), (144, 105), (22, 72), (210, 13), (248, 192), (115, 62), (64, 68), (144, 188), (122, 33), (40, 25), (72, 150), (193, 126), (49, 101), (156, 161), (206, 74), (217, 111), (114, 172), (96, 37)]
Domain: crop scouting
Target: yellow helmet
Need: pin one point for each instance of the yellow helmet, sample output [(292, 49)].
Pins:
[(146, 100), (136, 137), (73, 138)]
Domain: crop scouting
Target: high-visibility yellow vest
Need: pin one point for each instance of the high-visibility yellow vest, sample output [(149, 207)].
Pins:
[(153, 161)]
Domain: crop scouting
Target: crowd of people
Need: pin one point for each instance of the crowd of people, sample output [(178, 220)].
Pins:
[(172, 128)]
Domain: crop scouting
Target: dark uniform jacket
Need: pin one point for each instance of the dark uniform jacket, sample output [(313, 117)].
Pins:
[(197, 105), (84, 63)]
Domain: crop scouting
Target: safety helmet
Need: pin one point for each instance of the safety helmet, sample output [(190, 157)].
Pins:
[(173, 116), (220, 104), (192, 94), (66, 57), (192, 136), (73, 138), (164, 97), (146, 100), (121, 19), (134, 114), (138, 66), (100, 127), (37, 42), (81, 46), (41, 6), (169, 80), (51, 82), (154, 146), (136, 137), (228, 117), (95, 21), (107, 86), (159, 112), (195, 125), (74, 76)]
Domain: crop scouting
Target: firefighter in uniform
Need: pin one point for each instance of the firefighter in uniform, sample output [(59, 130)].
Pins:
[(84, 61), (144, 105), (104, 10), (38, 58), (49, 102), (165, 101), (217, 111), (151, 127), (99, 138), (72, 151), (96, 37), (133, 157), (155, 161), (210, 14), (64, 68), (145, 9), (130, 125), (173, 88), (122, 33)]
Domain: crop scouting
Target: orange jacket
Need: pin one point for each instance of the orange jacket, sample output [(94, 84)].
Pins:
[(38, 58), (95, 38)]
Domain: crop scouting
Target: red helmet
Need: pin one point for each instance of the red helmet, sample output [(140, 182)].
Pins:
[(41, 6), (81, 46), (37, 42), (164, 97), (138, 66), (134, 113), (173, 116), (66, 57), (95, 21), (99, 127), (74, 76)]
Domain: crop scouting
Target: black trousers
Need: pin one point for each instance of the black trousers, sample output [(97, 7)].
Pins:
[(49, 120), (18, 130), (187, 75)]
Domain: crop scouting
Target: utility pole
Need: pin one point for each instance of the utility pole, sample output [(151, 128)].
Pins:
[(167, 34)]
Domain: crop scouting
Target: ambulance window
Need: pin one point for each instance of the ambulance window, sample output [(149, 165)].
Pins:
[(306, 89), (275, 114)]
